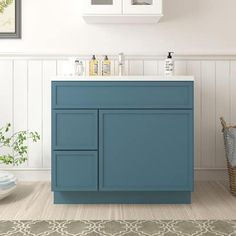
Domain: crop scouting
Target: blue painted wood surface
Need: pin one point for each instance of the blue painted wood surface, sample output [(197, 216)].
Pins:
[(75, 129), (112, 140), (179, 197), (75, 171), (145, 150), (77, 94)]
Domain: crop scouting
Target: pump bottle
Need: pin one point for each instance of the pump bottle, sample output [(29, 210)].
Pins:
[(169, 65), (93, 66), (106, 67)]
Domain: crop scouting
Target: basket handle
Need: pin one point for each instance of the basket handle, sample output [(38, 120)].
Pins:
[(223, 123)]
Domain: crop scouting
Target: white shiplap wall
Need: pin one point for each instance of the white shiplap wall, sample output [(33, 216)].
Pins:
[(25, 101)]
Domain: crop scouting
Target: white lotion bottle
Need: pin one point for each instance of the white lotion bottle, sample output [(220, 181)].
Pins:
[(169, 65)]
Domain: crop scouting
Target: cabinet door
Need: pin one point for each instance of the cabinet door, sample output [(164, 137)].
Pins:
[(103, 7), (74, 171), (145, 150), (145, 7)]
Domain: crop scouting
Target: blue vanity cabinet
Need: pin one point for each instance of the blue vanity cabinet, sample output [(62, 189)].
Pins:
[(122, 142)]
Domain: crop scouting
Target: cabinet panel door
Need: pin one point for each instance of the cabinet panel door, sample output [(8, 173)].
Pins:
[(145, 7), (145, 150), (74, 129), (74, 171), (103, 7)]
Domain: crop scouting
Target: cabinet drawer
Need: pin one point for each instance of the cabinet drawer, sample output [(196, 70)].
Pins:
[(75, 130), (75, 171), (79, 94)]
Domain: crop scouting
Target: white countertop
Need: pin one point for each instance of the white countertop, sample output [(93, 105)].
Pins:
[(122, 78)]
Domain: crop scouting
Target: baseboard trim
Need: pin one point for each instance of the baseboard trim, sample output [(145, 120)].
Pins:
[(40, 174), (32, 175)]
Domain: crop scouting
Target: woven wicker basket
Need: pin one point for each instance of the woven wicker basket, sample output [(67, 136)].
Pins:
[(231, 170), (232, 179)]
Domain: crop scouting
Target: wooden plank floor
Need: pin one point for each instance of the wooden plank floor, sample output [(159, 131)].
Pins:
[(33, 201)]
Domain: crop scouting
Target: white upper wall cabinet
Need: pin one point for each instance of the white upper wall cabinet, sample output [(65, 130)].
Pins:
[(122, 11)]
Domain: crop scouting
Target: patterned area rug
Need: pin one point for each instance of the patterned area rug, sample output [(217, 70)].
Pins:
[(117, 228)]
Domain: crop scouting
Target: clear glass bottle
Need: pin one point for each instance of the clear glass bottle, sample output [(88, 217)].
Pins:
[(79, 68)]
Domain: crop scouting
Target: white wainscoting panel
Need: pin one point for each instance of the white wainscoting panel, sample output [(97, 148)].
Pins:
[(136, 67), (6, 96), (180, 68), (208, 114), (35, 122), (25, 102), (6, 91), (49, 70), (222, 106), (194, 68), (151, 67), (20, 96)]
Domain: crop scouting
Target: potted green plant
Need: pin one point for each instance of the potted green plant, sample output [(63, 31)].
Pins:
[(14, 152)]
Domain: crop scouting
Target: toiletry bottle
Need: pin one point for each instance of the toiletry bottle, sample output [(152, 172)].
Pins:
[(93, 66), (121, 63), (106, 67), (169, 65), (79, 68)]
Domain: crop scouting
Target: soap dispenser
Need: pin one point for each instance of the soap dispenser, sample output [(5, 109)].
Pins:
[(93, 66), (106, 67), (169, 65)]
